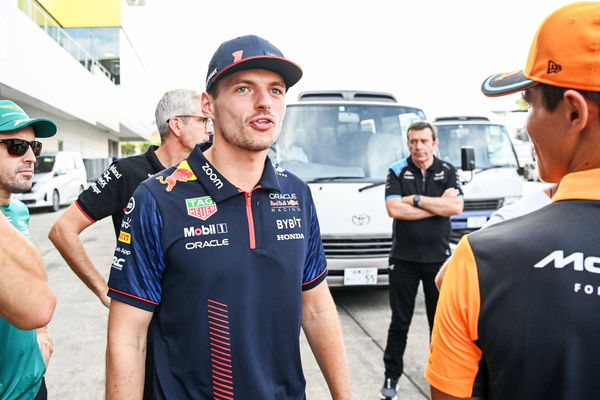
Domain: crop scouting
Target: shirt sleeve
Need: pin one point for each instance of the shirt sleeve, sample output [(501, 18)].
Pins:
[(393, 187), (138, 262), (103, 197), (454, 357), (454, 181), (315, 265)]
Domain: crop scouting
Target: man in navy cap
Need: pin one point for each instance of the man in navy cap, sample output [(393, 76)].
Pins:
[(222, 261), (22, 361)]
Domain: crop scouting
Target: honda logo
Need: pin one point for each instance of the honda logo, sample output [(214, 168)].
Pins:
[(362, 219)]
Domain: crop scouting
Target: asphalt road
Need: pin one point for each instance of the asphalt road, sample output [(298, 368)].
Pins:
[(78, 328)]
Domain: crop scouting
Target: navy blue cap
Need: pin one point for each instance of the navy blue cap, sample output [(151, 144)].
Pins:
[(249, 52)]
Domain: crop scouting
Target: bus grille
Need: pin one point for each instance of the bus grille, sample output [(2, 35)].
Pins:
[(491, 204), (359, 247)]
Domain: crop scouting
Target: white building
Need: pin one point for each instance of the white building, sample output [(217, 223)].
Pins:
[(50, 74)]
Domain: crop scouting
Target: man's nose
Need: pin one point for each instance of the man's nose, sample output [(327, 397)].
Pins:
[(263, 99)]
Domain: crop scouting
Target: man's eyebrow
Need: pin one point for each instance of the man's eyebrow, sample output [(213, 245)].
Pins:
[(526, 94)]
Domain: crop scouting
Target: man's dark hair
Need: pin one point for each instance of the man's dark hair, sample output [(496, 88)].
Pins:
[(552, 96), (419, 126)]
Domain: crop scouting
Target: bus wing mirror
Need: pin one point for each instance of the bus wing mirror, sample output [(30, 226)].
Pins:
[(467, 158)]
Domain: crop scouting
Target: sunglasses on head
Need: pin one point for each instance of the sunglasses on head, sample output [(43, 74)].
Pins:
[(18, 147)]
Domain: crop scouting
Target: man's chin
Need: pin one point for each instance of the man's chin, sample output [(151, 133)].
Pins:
[(21, 188)]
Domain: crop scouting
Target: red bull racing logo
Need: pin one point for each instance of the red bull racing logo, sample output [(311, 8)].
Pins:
[(201, 207), (183, 173)]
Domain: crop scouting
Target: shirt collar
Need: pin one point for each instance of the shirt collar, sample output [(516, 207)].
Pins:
[(220, 188), (432, 167), (582, 185), (154, 161)]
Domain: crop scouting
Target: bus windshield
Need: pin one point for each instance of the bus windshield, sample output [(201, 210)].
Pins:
[(320, 142), (491, 143)]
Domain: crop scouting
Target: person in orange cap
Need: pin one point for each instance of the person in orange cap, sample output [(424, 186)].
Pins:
[(516, 317)]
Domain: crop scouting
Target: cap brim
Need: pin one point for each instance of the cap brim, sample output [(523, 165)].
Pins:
[(42, 127), (289, 71), (506, 83)]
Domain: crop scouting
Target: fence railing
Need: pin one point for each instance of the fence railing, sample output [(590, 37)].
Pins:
[(45, 21)]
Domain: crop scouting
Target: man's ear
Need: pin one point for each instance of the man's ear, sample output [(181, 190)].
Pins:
[(175, 126), (577, 111), (207, 106)]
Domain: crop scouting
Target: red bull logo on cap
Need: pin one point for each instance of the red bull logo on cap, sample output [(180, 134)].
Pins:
[(201, 207), (182, 173)]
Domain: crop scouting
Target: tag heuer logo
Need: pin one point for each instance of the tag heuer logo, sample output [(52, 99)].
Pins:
[(201, 207)]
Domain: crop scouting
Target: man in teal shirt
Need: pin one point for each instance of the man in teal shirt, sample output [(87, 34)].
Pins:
[(22, 364)]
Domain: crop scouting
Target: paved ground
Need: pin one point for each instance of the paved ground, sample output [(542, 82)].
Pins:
[(79, 328)]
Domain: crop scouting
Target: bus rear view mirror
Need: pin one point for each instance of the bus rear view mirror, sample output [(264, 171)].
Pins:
[(467, 158)]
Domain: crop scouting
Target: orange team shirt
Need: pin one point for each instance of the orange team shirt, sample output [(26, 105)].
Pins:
[(517, 255)]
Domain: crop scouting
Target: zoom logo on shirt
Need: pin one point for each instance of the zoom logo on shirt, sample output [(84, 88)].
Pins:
[(212, 176)]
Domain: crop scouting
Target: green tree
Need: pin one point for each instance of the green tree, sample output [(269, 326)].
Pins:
[(127, 149)]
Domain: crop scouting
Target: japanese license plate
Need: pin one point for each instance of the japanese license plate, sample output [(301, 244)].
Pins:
[(360, 276), (476, 222)]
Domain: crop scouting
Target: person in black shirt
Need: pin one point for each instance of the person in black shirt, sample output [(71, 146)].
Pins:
[(181, 126), (421, 193)]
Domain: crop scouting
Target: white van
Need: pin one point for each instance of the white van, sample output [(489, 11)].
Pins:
[(342, 144), (497, 178), (59, 178)]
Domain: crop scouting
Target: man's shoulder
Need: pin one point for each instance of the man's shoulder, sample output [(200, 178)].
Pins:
[(135, 164), (289, 181), (399, 165), (444, 165)]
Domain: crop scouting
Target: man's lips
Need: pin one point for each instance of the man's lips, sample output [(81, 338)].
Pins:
[(26, 171), (262, 123)]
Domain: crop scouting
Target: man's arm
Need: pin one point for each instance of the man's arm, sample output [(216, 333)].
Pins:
[(398, 208), (26, 300), (65, 236), (321, 326), (446, 205), (126, 351)]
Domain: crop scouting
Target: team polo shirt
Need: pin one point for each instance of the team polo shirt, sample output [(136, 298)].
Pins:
[(223, 271), (22, 365), (517, 316), (425, 240), (109, 194)]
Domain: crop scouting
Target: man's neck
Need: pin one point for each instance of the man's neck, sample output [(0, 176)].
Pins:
[(424, 165), (171, 153), (4, 197), (240, 167)]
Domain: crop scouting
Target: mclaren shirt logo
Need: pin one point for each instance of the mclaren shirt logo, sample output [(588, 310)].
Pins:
[(206, 243), (577, 259)]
